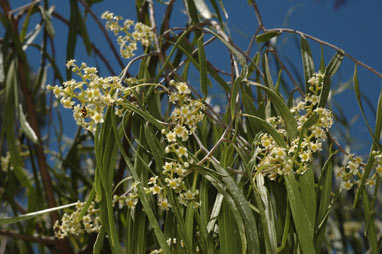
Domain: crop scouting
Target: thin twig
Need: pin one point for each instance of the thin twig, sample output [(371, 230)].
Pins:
[(358, 62), (252, 41), (154, 26), (28, 238), (258, 16)]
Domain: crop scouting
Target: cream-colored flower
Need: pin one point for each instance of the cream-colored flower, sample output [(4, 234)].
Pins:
[(182, 151), (98, 117)]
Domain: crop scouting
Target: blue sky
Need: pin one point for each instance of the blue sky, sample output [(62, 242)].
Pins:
[(355, 27)]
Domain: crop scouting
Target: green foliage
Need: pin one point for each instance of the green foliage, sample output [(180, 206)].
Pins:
[(154, 167)]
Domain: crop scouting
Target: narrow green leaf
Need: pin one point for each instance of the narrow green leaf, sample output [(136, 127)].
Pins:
[(301, 220), (285, 230), (268, 128), (330, 70), (279, 80), (202, 8), (72, 35), (192, 11), (308, 194), (24, 28), (47, 21), (8, 124), (324, 190), (189, 223), (322, 60), (228, 231), (245, 210), (325, 91), (27, 216), (147, 116), (220, 197), (84, 33), (25, 127), (334, 64), (99, 241), (107, 153), (307, 61), (371, 230), (202, 68), (378, 129), (267, 72), (359, 101), (267, 36), (282, 108), (266, 214), (216, 8)]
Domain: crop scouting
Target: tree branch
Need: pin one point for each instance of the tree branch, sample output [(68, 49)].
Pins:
[(288, 30)]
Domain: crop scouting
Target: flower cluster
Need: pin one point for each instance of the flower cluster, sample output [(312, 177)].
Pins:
[(353, 170), (128, 42), (89, 97), (276, 160), (184, 119), (129, 198), (70, 224)]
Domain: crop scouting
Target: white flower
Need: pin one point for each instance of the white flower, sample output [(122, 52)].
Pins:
[(183, 88), (131, 202), (167, 167), (279, 153), (190, 195), (315, 146), (57, 91), (179, 130), (98, 117), (173, 183), (153, 180), (305, 156), (173, 98), (107, 100), (171, 137), (156, 189), (164, 204), (67, 103), (70, 63), (182, 151), (378, 170)]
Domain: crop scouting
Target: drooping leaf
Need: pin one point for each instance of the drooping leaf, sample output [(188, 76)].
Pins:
[(267, 36), (47, 20), (202, 68), (202, 8), (307, 61), (300, 217), (25, 127), (27, 216)]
